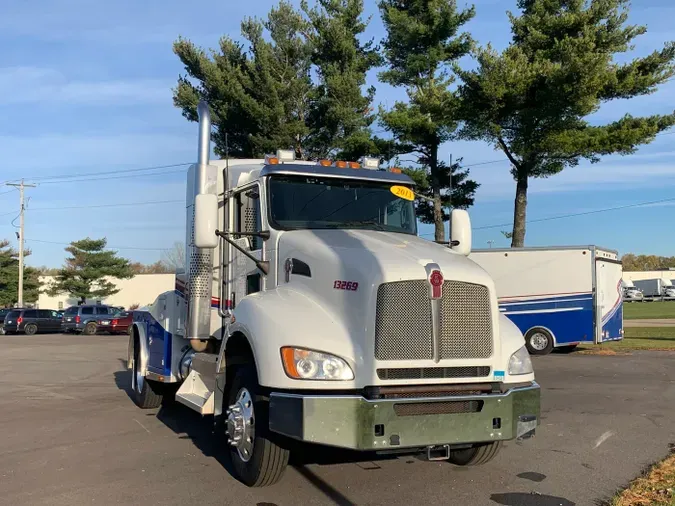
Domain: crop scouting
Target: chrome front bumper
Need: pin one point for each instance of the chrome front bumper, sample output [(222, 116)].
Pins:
[(361, 424)]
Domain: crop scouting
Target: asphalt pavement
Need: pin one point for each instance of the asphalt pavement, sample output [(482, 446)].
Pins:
[(72, 436)]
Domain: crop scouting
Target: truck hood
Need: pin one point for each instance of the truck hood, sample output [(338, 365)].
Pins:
[(374, 257)]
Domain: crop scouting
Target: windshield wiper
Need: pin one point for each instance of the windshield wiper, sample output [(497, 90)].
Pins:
[(355, 223)]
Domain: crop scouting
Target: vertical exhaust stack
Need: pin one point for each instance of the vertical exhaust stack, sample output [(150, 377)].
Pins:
[(202, 179)]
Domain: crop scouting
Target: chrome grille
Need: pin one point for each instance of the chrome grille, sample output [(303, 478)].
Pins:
[(466, 324), (403, 321)]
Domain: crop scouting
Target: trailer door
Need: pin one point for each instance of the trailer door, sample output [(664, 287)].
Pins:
[(608, 300)]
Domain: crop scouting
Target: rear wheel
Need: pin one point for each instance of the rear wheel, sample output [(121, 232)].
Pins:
[(539, 341), (30, 329), (89, 329), (475, 456), (256, 460), (146, 394)]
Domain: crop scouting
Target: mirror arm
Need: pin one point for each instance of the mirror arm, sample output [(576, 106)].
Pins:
[(449, 243), (263, 234), (263, 265)]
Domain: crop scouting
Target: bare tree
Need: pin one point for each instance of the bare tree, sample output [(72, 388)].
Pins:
[(174, 258)]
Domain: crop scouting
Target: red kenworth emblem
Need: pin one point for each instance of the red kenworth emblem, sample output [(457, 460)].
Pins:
[(436, 282)]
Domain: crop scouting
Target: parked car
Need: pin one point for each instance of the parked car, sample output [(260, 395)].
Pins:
[(3, 312), (32, 321), (118, 324), (85, 318)]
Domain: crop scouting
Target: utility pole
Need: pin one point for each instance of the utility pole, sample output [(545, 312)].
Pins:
[(21, 187), (490, 243)]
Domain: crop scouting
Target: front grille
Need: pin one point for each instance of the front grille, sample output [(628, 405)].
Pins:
[(433, 372), (437, 408), (466, 323), (403, 323)]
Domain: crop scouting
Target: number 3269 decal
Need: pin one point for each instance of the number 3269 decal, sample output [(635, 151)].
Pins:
[(352, 286)]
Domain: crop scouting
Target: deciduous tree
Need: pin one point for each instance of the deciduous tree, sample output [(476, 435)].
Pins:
[(532, 101)]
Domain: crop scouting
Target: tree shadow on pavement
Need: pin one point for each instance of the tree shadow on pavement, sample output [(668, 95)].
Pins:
[(525, 499)]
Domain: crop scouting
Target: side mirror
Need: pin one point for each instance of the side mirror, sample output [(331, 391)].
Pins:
[(206, 220), (460, 232)]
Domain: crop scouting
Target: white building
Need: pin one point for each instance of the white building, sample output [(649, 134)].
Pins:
[(142, 289), (640, 275)]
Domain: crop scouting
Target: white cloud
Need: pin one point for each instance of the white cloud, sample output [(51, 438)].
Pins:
[(30, 85)]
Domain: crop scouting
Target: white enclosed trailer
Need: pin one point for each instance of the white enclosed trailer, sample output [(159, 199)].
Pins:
[(657, 287), (311, 312), (558, 296)]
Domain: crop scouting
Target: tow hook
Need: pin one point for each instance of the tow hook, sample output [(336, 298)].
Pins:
[(441, 452)]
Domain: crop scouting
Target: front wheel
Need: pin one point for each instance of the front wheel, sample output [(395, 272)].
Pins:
[(475, 456), (146, 394), (30, 329), (539, 341), (256, 460)]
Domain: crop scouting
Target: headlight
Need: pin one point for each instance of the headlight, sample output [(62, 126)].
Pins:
[(314, 365), (520, 362)]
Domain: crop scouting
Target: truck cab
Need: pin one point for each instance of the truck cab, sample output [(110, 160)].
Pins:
[(318, 316)]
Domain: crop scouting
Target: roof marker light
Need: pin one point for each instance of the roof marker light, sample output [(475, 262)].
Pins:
[(324, 163), (395, 170), (370, 163), (271, 160), (285, 155), (341, 164), (354, 165)]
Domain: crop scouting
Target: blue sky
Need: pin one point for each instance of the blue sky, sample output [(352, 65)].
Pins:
[(86, 87)]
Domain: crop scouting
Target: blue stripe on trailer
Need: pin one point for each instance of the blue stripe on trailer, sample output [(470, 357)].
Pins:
[(569, 317)]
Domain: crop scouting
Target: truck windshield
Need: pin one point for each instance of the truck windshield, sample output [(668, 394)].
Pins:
[(302, 202)]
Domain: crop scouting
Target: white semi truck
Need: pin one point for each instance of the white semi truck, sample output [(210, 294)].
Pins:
[(311, 313), (655, 288)]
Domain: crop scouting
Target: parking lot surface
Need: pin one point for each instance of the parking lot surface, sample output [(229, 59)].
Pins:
[(71, 436)]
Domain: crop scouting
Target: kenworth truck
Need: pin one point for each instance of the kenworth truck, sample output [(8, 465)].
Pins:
[(312, 313)]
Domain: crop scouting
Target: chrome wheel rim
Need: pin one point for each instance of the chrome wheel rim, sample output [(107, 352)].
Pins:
[(241, 425), (539, 341)]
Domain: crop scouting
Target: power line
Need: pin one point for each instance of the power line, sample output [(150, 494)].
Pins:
[(127, 204), (571, 215), (107, 247), (88, 180), (123, 171)]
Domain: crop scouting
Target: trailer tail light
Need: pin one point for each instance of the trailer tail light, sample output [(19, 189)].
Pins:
[(341, 164), (77, 319), (354, 165), (19, 320), (324, 163)]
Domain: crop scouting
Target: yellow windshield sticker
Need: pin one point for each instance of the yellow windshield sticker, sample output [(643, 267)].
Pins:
[(403, 193)]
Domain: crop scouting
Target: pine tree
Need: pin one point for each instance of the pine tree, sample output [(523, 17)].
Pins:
[(341, 114), (259, 95), (85, 273), (9, 277), (531, 100), (422, 44)]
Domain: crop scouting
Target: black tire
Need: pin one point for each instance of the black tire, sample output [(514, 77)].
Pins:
[(567, 349), (146, 393), (475, 456), (268, 460), (30, 329), (89, 329), (539, 341)]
